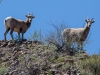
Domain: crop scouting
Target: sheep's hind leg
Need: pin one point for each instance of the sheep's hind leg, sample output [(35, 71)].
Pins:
[(22, 36), (82, 46), (5, 33), (19, 36)]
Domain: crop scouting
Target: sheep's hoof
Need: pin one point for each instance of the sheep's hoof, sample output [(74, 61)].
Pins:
[(24, 39), (19, 41), (4, 41)]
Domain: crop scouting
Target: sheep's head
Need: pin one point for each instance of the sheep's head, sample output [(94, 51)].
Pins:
[(30, 17), (89, 22)]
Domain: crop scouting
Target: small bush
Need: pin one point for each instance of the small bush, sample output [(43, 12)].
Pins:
[(3, 70), (55, 38), (92, 64), (36, 36)]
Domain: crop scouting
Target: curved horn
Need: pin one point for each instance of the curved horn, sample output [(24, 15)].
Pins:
[(28, 13), (87, 18)]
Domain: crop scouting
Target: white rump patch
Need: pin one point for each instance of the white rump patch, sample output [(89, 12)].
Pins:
[(8, 19)]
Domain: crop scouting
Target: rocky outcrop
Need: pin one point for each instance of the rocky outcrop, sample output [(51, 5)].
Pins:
[(33, 58)]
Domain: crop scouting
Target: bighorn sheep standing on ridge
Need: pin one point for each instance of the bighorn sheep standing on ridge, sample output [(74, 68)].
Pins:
[(18, 26), (78, 35)]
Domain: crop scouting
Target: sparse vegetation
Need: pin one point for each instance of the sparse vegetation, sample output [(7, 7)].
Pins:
[(34, 57), (3, 70), (92, 65), (55, 38)]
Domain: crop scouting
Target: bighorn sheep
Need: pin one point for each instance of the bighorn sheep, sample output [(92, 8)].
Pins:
[(19, 26), (78, 35)]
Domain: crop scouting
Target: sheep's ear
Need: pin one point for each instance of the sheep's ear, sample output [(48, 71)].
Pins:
[(93, 21), (33, 16), (26, 15), (85, 20)]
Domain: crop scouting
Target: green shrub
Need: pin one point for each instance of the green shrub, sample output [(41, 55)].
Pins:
[(92, 64), (3, 70)]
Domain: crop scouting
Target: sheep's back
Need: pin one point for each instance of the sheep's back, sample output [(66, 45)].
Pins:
[(72, 34)]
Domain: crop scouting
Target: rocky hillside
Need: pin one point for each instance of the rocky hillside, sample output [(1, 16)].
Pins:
[(36, 58)]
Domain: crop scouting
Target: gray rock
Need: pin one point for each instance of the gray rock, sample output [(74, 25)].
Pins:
[(2, 54), (10, 44), (4, 44)]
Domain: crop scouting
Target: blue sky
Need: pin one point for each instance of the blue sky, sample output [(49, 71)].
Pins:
[(71, 12)]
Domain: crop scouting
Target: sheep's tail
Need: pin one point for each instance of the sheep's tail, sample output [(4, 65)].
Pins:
[(5, 21)]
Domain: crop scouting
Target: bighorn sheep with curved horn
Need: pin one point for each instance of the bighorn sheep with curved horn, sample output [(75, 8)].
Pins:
[(78, 35), (19, 26)]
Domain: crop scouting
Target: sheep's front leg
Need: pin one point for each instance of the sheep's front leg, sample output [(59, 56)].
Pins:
[(11, 34), (22, 36), (80, 46), (5, 33)]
